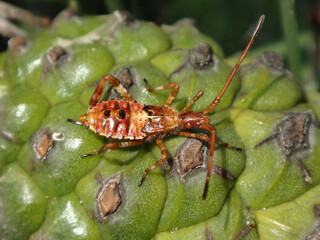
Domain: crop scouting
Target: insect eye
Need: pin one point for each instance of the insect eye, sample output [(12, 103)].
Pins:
[(121, 114), (107, 113)]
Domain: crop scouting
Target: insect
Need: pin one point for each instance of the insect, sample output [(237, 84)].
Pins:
[(134, 123)]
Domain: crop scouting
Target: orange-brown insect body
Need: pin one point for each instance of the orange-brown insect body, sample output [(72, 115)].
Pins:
[(121, 119), (135, 123), (117, 119)]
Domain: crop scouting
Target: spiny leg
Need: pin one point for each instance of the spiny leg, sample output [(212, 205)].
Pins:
[(193, 100), (113, 145), (207, 139), (164, 155), (173, 94), (217, 99), (115, 84)]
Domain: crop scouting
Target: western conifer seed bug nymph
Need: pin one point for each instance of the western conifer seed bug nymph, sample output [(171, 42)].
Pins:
[(134, 123)]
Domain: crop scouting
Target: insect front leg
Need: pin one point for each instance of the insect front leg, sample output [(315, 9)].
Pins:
[(190, 103), (113, 145), (164, 155), (173, 94), (115, 84)]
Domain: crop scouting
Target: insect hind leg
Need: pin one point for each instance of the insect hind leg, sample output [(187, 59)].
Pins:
[(212, 141), (212, 130), (114, 82), (205, 138)]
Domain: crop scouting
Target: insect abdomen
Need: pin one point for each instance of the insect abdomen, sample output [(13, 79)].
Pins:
[(118, 119)]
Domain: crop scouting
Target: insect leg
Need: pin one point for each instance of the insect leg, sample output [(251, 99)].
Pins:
[(164, 155), (74, 122), (212, 130), (228, 145), (195, 135), (217, 99), (207, 139), (114, 145), (245, 231), (193, 100), (173, 94), (115, 84)]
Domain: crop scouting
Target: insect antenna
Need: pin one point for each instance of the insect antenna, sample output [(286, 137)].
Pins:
[(217, 99), (73, 121)]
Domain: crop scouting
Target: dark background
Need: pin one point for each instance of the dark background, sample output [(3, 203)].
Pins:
[(228, 22)]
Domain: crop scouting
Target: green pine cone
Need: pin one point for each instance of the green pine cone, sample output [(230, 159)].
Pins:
[(269, 190)]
